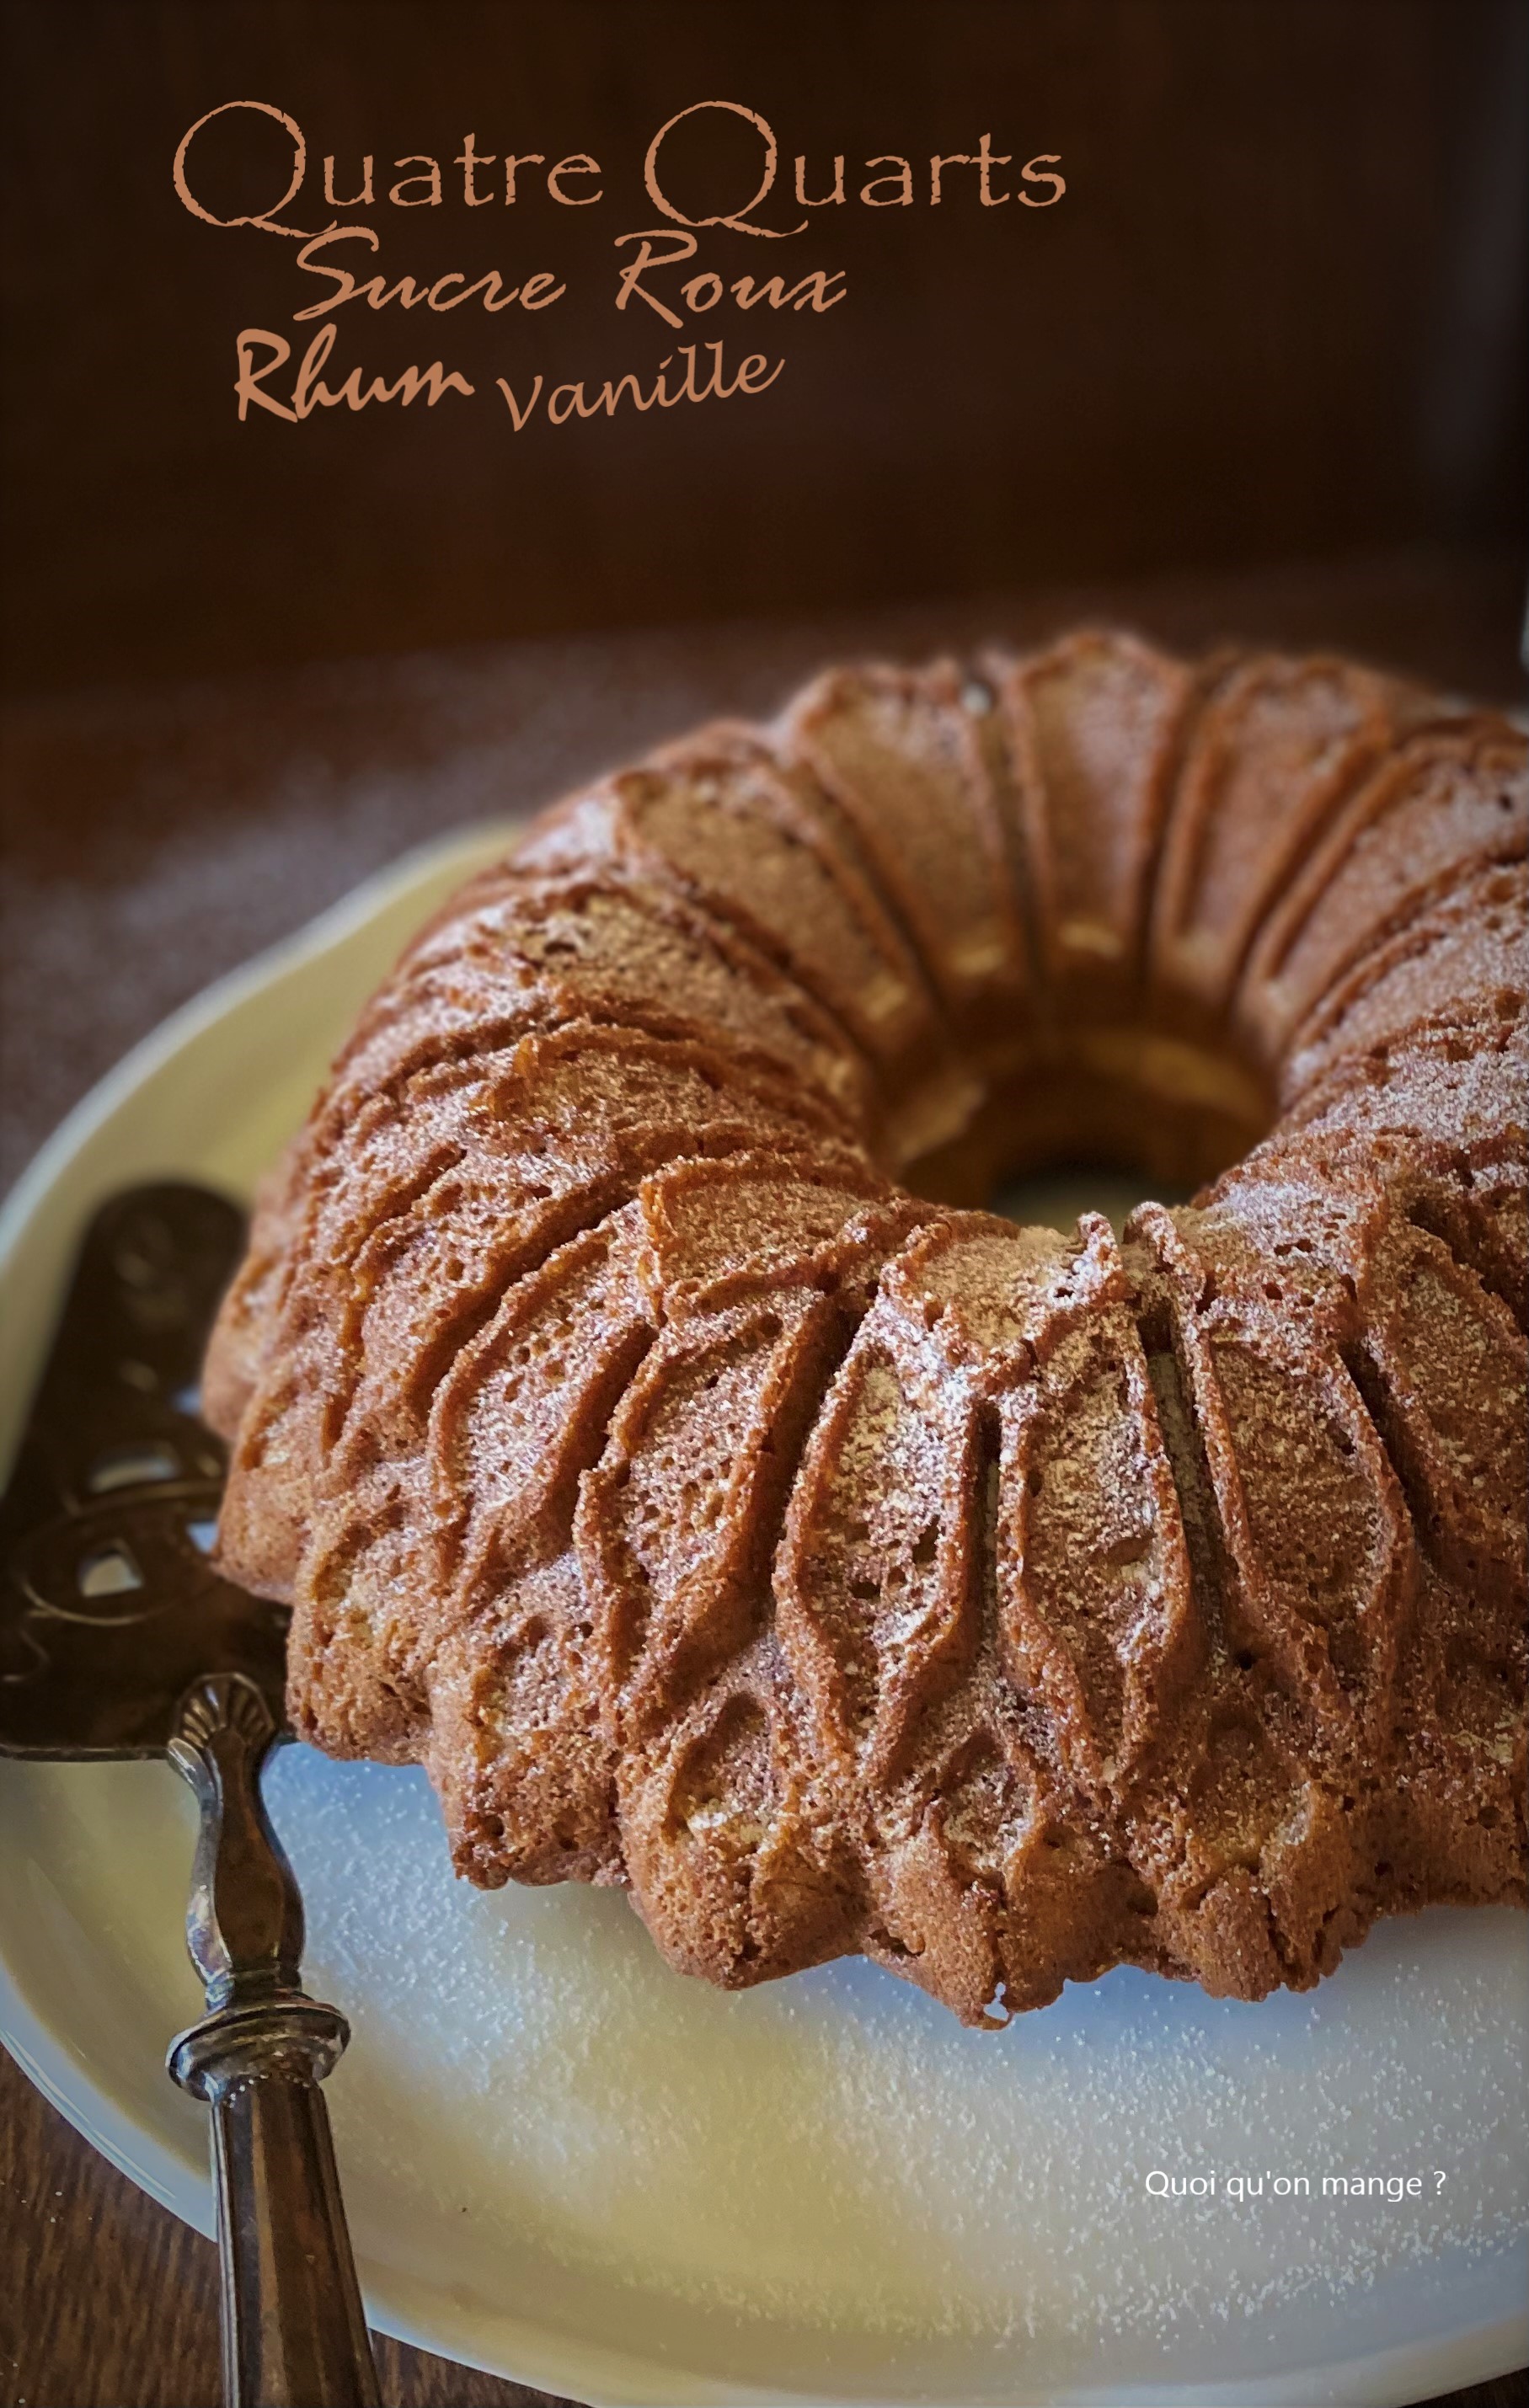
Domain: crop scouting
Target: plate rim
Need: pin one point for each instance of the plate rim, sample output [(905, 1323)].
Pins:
[(347, 916), (595, 2372)]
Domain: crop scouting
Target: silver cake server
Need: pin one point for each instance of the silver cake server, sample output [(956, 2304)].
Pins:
[(117, 1639)]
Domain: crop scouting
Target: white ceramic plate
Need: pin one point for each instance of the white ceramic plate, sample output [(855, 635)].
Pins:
[(566, 2163)]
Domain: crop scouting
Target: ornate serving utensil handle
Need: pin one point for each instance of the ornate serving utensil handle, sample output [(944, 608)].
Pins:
[(294, 2334)]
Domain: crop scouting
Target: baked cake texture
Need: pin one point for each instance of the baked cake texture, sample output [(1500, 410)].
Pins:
[(654, 1441)]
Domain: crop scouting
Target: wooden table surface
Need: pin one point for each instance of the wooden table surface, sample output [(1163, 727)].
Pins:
[(157, 836)]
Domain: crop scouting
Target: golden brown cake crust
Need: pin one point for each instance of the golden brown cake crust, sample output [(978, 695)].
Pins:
[(840, 1569)]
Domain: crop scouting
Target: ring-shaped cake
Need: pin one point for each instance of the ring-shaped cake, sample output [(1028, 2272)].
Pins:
[(654, 1441)]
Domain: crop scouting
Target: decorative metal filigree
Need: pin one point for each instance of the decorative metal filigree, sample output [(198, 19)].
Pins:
[(111, 1605), (224, 1701), (119, 1637)]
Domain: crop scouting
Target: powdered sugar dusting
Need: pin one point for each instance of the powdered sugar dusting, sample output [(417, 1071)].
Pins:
[(832, 2159)]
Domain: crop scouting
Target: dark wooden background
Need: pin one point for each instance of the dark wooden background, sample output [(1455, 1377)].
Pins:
[(1263, 372), (1279, 312)]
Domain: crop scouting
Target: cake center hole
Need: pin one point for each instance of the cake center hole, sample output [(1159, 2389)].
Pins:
[(1053, 1198)]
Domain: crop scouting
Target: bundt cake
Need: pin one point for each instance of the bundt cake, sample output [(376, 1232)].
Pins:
[(656, 1439)]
